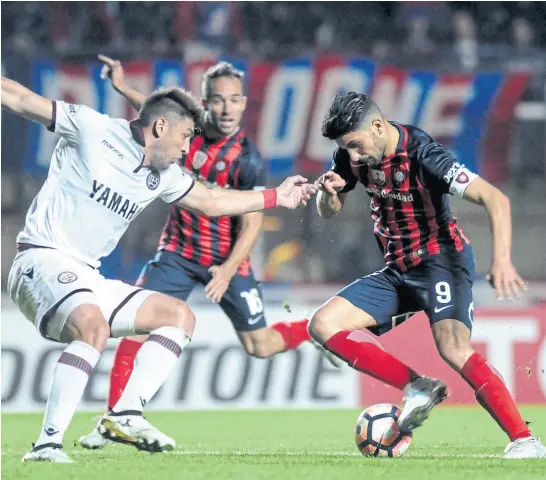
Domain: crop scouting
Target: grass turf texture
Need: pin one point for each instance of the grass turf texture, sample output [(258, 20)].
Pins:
[(455, 443)]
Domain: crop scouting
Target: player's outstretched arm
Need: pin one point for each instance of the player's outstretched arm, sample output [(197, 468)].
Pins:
[(20, 100), (292, 193), (504, 277), (330, 200), (113, 70)]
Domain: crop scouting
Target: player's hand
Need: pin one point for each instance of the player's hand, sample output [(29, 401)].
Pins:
[(295, 192), (506, 281), (331, 183), (112, 69), (221, 277)]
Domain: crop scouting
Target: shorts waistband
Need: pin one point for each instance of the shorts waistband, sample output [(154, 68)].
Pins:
[(22, 247)]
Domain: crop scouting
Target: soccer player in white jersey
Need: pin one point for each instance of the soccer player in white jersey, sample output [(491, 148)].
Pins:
[(103, 172)]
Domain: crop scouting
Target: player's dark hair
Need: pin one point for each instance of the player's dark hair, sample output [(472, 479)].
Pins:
[(176, 103), (221, 69), (347, 114)]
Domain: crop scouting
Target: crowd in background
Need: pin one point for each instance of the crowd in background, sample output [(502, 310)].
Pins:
[(452, 36), (470, 31)]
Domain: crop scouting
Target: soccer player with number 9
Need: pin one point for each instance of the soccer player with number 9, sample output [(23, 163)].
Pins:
[(429, 262)]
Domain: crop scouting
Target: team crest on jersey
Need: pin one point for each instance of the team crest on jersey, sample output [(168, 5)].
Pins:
[(378, 176), (67, 277), (152, 180), (462, 178), (199, 159), (221, 166), (73, 109), (399, 177)]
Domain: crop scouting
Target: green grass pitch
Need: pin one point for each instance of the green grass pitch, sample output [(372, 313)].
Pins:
[(456, 443)]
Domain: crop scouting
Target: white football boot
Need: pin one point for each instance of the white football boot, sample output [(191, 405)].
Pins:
[(529, 447), (332, 359), (94, 440), (47, 452), (420, 396), (135, 430)]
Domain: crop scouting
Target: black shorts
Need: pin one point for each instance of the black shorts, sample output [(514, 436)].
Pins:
[(441, 286), (173, 275)]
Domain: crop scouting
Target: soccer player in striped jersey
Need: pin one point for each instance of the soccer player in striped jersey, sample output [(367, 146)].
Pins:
[(429, 262), (213, 251)]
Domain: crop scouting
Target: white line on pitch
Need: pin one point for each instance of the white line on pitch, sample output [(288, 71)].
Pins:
[(260, 453)]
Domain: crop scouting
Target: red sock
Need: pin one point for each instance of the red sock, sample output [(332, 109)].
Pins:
[(362, 352), (293, 333), (122, 369), (492, 394)]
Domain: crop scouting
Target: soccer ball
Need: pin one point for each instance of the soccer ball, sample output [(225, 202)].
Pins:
[(377, 433)]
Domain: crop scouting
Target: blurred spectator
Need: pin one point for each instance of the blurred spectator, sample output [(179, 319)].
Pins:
[(418, 41), (465, 41), (274, 30)]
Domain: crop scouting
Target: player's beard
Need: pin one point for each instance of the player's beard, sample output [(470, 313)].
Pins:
[(377, 158), (159, 160)]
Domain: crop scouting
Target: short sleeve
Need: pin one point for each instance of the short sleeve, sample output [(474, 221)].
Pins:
[(341, 165), (252, 173), (438, 163), (180, 184), (71, 121)]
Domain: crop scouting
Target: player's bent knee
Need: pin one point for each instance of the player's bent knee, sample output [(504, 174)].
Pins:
[(87, 324), (336, 315), (182, 317), (321, 326)]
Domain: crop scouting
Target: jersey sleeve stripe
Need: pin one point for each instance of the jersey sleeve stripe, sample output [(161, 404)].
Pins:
[(186, 192), (51, 128)]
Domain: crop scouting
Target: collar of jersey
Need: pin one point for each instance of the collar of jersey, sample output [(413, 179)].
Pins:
[(210, 140), (138, 136)]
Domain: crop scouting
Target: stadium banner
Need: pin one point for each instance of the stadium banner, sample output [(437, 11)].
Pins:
[(215, 373), (512, 340), (469, 113)]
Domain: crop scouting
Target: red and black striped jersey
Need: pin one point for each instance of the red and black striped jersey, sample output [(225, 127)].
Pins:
[(232, 162), (410, 208)]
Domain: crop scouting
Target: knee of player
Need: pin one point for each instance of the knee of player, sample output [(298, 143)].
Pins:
[(96, 332), (319, 326), (86, 323), (182, 317)]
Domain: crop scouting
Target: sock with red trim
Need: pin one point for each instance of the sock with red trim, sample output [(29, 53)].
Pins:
[(493, 396), (293, 333), (364, 353), (124, 361)]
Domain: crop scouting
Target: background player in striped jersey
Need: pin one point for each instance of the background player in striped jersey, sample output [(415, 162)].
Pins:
[(214, 251), (429, 261)]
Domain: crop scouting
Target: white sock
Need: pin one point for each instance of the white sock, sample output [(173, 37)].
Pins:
[(153, 363), (69, 380)]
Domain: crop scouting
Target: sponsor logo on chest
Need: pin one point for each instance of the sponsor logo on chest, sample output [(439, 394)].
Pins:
[(393, 184), (114, 201)]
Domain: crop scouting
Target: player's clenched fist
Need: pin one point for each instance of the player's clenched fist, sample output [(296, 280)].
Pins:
[(331, 183), (295, 192)]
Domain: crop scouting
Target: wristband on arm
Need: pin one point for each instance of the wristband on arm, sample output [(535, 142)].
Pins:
[(270, 198)]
